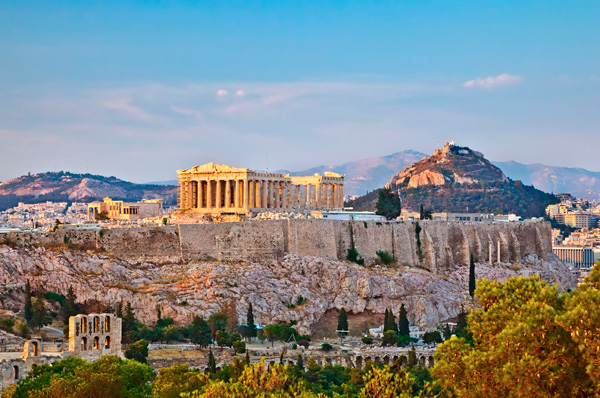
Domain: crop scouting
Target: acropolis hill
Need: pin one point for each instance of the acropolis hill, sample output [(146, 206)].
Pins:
[(190, 269)]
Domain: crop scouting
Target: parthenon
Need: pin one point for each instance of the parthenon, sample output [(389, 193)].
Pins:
[(221, 189)]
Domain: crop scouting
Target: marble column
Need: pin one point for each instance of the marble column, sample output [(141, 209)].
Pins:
[(209, 194), (236, 194), (227, 194), (200, 203), (277, 194), (219, 198), (265, 193), (284, 195)]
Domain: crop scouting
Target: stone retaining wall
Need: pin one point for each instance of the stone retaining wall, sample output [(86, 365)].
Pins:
[(442, 244)]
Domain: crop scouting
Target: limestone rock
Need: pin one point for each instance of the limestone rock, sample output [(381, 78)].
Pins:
[(183, 290)]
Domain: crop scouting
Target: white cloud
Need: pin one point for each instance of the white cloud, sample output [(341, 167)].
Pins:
[(222, 93), (240, 93), (124, 105), (493, 81)]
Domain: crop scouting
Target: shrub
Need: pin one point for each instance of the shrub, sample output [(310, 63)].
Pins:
[(7, 324), (239, 346), (385, 257), (294, 346), (138, 351), (367, 340), (304, 343), (300, 300), (432, 337), (326, 347), (354, 257)]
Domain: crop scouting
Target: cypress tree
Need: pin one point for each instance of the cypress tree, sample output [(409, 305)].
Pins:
[(412, 357), (247, 357), (342, 320), (70, 308), (472, 277), (393, 324), (28, 310), (212, 364), (403, 324), (300, 363), (386, 321), (120, 310), (251, 326)]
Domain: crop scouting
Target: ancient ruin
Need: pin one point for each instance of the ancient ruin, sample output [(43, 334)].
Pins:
[(90, 337), (219, 189)]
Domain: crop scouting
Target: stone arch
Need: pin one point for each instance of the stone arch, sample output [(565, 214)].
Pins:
[(377, 360), (84, 325), (35, 348), (404, 361), (422, 361), (96, 324), (395, 359), (107, 324), (96, 343), (431, 362), (84, 344), (16, 372), (359, 362), (386, 360), (107, 342)]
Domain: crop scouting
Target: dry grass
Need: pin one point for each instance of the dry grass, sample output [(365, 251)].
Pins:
[(176, 353)]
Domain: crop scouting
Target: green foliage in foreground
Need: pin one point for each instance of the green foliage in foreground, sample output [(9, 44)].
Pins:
[(110, 376), (529, 341)]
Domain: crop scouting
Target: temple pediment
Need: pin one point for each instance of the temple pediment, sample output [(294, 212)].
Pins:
[(212, 168)]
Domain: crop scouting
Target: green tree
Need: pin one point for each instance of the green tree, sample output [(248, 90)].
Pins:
[(388, 204), (273, 333), (472, 276), (171, 333), (385, 383), (412, 358), (403, 324), (521, 346), (390, 338), (200, 332), (342, 320), (217, 321), (212, 363), (174, 380), (40, 316), (424, 214), (70, 308), (137, 351), (250, 325), (28, 309)]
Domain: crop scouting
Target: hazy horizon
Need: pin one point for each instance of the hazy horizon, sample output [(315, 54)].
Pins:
[(138, 91)]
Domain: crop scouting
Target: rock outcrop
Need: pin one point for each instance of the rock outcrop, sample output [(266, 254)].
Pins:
[(184, 289), (451, 164)]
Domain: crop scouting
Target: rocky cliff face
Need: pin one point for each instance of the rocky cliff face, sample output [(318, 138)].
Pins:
[(185, 289), (452, 164)]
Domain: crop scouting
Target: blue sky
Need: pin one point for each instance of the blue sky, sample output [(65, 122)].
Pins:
[(141, 89)]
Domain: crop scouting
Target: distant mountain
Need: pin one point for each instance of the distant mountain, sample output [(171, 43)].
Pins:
[(579, 182), (168, 182), (364, 175), (368, 174), (72, 187), (458, 179)]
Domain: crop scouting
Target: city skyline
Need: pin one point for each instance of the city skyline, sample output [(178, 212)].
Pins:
[(138, 91)]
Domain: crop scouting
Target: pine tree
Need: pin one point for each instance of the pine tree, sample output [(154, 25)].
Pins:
[(212, 364), (342, 320), (403, 324), (28, 313), (472, 277), (251, 326)]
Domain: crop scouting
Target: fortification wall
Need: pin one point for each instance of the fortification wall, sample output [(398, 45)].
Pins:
[(439, 245)]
